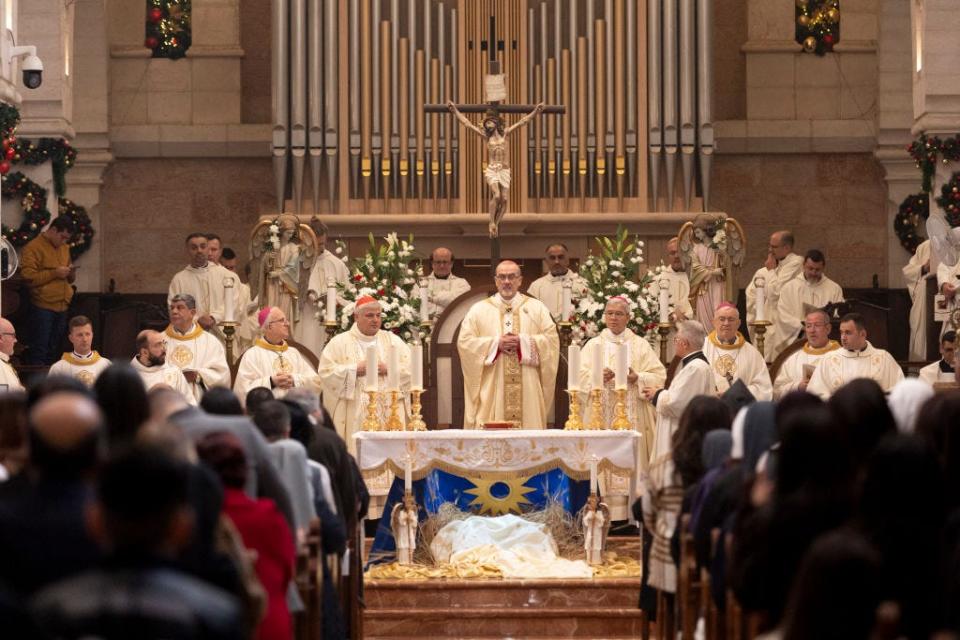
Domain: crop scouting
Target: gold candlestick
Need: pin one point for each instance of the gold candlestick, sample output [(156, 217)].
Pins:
[(416, 420), (393, 421), (566, 334), (574, 423), (330, 328), (620, 419), (759, 329), (229, 330), (596, 410), (370, 423), (663, 329)]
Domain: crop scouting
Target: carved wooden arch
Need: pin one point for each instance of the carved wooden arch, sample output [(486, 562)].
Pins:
[(777, 363)]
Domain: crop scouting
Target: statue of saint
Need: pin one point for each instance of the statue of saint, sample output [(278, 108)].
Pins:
[(282, 254), (710, 247), (497, 173)]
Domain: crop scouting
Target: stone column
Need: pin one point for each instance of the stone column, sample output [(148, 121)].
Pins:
[(48, 24)]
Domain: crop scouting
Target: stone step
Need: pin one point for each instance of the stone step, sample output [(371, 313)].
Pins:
[(503, 622)]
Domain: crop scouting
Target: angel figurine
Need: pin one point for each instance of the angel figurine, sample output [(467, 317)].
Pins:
[(710, 247), (403, 523), (283, 252), (596, 522), (497, 172)]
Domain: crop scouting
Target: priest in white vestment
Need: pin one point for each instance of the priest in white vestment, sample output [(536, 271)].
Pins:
[(203, 280), (246, 310), (197, 353), (782, 266), (796, 370), (152, 366), (326, 269), (443, 287), (916, 272), (675, 279), (943, 369), (856, 358), (948, 282), (645, 370), (509, 351), (271, 362), (344, 376), (549, 288), (812, 288), (663, 491), (9, 380), (732, 357), (83, 363)]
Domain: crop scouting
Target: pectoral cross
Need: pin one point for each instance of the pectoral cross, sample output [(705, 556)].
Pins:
[(498, 177)]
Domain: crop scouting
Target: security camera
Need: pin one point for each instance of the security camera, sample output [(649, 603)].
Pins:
[(32, 68)]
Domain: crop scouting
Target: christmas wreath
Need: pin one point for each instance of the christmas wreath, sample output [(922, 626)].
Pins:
[(818, 25), (80, 224), (55, 150), (913, 211), (168, 28), (925, 152), (33, 200), (949, 200)]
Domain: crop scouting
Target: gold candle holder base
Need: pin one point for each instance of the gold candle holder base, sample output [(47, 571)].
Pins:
[(229, 329), (393, 421), (416, 420), (574, 423), (371, 423), (596, 410), (330, 328), (620, 420), (759, 329), (565, 334), (663, 329)]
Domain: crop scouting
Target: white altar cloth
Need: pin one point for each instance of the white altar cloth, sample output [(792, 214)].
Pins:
[(504, 453)]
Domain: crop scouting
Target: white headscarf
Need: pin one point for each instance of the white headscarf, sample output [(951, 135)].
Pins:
[(905, 401), (736, 429)]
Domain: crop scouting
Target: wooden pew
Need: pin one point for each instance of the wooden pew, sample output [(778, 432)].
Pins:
[(688, 582), (309, 623)]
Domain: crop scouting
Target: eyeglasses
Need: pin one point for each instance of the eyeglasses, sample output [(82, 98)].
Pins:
[(507, 277), (284, 321), (9, 333)]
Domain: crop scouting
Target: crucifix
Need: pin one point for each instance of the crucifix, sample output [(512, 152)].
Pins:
[(493, 130)]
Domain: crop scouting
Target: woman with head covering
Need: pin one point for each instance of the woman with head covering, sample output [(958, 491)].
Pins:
[(123, 401), (905, 401), (861, 413)]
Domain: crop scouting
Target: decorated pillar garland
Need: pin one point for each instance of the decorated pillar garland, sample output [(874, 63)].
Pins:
[(33, 200), (926, 150), (949, 200), (818, 25), (168, 28), (913, 212)]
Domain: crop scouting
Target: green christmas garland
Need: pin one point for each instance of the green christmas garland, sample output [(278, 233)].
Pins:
[(80, 224), (168, 28), (926, 151), (55, 150), (33, 200), (949, 200), (913, 211), (818, 25)]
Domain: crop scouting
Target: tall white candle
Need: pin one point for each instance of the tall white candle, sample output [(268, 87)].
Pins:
[(330, 310), (596, 366), (664, 302), (416, 367), (620, 372), (393, 369), (567, 302), (594, 488), (229, 301), (424, 302), (372, 365), (573, 367), (761, 303), (408, 475)]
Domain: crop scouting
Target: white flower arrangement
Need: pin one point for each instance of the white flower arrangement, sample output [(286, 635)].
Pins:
[(607, 276), (384, 273)]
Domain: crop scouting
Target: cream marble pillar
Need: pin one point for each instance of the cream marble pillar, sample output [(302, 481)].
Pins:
[(48, 24)]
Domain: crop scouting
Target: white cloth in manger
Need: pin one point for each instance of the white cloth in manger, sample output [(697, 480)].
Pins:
[(518, 547)]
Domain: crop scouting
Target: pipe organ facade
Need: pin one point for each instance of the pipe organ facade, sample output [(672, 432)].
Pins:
[(351, 79)]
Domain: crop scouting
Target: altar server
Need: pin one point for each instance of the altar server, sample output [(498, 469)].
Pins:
[(645, 368), (271, 362), (942, 370), (83, 363), (733, 358), (812, 288), (345, 377), (916, 272), (856, 359), (796, 370), (663, 491), (203, 280), (675, 279), (782, 266), (443, 286), (327, 268), (197, 353), (152, 366), (549, 288), (509, 351)]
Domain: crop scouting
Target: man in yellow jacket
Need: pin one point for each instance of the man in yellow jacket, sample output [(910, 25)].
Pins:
[(49, 272)]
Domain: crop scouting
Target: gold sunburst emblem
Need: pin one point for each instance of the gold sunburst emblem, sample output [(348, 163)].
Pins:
[(725, 366), (499, 497), (282, 365), (181, 356), (85, 377)]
